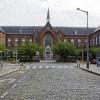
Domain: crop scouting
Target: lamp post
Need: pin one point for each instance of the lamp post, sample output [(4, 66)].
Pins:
[(87, 63), (1, 58), (16, 55)]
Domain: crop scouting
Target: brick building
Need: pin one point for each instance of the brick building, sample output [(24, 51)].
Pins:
[(47, 35)]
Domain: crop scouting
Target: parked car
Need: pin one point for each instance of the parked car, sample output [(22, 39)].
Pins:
[(93, 61), (98, 63)]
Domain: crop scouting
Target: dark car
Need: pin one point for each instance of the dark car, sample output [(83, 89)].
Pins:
[(98, 63), (93, 61)]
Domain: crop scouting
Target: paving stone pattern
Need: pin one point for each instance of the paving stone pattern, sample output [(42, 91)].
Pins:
[(55, 84)]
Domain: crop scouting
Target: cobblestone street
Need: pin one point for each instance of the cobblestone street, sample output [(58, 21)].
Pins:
[(50, 81)]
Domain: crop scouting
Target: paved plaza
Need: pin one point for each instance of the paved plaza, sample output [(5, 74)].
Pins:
[(50, 81)]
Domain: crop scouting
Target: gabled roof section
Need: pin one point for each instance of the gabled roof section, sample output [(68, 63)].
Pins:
[(48, 27), (97, 29), (21, 29), (1, 30), (74, 30)]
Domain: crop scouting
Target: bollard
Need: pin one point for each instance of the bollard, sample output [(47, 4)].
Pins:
[(78, 63)]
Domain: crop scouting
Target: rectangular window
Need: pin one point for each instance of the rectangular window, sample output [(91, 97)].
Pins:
[(99, 39)]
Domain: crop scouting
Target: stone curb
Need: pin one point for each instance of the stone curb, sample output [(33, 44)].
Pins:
[(9, 72), (90, 71)]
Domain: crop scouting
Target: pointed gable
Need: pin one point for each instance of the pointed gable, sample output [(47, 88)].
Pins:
[(48, 27)]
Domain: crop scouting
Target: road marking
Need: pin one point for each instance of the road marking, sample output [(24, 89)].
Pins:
[(27, 67), (71, 67), (46, 66), (12, 80), (2, 80), (14, 86), (21, 72), (65, 67), (40, 66), (52, 66), (24, 76), (34, 67), (59, 67), (4, 94), (19, 81)]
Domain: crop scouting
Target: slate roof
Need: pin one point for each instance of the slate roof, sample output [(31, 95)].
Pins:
[(1, 30), (21, 29), (37, 29), (73, 30), (96, 29)]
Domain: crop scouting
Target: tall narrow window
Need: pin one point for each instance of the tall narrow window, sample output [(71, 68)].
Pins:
[(30, 41), (99, 39), (16, 42), (79, 42), (93, 41), (72, 41), (85, 42), (23, 41), (65, 40), (9, 42), (96, 40)]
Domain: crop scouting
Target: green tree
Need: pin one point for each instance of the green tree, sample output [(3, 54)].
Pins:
[(65, 49), (29, 50), (3, 48), (94, 51)]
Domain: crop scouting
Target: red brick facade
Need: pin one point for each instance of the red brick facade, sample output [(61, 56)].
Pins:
[(10, 39)]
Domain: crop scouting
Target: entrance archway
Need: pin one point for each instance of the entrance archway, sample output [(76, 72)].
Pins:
[(48, 55)]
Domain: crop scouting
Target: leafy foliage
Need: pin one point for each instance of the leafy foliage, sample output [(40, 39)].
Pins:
[(94, 51), (29, 49), (65, 49), (3, 48)]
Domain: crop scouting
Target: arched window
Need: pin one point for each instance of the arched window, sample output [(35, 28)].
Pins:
[(72, 41), (48, 40), (30, 41), (9, 42), (99, 39), (65, 40), (16, 42), (86, 42), (96, 40), (23, 41), (93, 41), (79, 42)]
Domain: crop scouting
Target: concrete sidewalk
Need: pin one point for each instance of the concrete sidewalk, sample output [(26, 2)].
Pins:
[(8, 68), (92, 68)]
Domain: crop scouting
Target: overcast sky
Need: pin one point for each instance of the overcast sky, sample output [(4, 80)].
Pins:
[(62, 12)]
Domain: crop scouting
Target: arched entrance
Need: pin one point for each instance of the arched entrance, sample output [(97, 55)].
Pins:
[(48, 55), (47, 43), (47, 40)]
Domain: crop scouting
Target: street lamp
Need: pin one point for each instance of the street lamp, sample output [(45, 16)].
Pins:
[(1, 58), (16, 56), (87, 63)]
